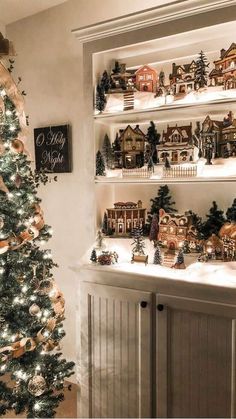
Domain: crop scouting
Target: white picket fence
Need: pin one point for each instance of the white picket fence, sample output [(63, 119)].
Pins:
[(180, 171), (140, 173)]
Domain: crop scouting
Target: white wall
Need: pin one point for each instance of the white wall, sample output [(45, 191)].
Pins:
[(2, 28), (50, 63)]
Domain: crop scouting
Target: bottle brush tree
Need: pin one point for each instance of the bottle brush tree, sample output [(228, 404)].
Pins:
[(93, 256), (105, 82), (231, 212), (100, 98), (138, 243), (32, 307), (153, 138), (201, 72), (100, 165), (154, 228), (107, 151), (163, 200), (157, 260), (215, 220)]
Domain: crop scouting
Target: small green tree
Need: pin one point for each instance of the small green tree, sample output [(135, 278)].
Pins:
[(105, 82), (138, 243), (231, 212), (157, 260), (100, 98), (186, 248), (180, 258), (93, 256), (162, 200), (117, 68), (107, 151), (153, 139), (201, 72), (154, 228), (150, 165), (167, 163), (100, 165), (105, 223), (215, 220)]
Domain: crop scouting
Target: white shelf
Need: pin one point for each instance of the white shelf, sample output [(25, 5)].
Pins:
[(165, 180)]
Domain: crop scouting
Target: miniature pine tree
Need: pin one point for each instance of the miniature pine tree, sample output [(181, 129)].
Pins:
[(100, 165), (105, 223), (167, 163), (157, 260), (180, 258), (107, 151), (138, 243), (186, 248), (153, 139), (162, 79), (201, 71), (32, 308), (105, 82), (215, 220), (162, 200), (117, 68), (93, 256), (154, 228), (116, 145), (150, 165), (231, 212), (100, 98)]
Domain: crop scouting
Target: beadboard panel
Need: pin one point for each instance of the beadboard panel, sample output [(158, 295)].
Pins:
[(198, 358), (116, 352)]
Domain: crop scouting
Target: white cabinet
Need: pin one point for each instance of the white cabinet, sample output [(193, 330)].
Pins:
[(195, 358), (115, 352)]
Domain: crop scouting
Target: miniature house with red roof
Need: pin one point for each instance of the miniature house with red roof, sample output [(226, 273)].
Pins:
[(124, 217), (176, 145), (146, 79), (132, 143), (224, 72)]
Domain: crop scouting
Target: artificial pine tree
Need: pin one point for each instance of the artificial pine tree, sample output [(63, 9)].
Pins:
[(105, 82), (32, 307), (93, 256), (153, 139), (201, 71), (107, 151), (157, 260), (179, 264), (162, 79), (100, 98), (186, 248), (167, 163), (117, 68), (138, 243), (100, 165), (163, 200), (215, 220), (105, 223), (154, 228), (231, 212), (150, 165)]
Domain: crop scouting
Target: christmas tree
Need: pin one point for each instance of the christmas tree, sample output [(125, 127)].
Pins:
[(116, 145), (105, 82), (32, 307), (201, 71), (138, 243), (186, 248), (162, 79), (179, 264), (231, 212), (163, 200), (117, 68), (93, 256), (167, 163), (153, 139), (150, 165), (154, 228), (214, 222), (100, 165), (100, 98), (107, 151), (105, 223), (157, 260)]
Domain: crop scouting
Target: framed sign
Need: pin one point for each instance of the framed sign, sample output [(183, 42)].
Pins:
[(53, 149)]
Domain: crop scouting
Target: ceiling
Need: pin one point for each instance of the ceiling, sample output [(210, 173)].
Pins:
[(12, 10)]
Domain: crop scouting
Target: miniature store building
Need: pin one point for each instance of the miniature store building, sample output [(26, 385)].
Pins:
[(182, 79), (124, 217), (176, 145), (224, 72), (175, 229), (146, 79), (132, 143)]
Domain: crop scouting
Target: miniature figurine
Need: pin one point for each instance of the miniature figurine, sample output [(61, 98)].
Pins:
[(179, 264)]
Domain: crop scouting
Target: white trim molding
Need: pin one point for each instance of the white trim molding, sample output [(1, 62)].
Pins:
[(157, 15)]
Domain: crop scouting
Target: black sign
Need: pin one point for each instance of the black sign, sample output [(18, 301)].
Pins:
[(52, 149)]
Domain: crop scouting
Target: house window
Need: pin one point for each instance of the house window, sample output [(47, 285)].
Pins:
[(148, 76), (128, 145), (141, 78), (138, 145)]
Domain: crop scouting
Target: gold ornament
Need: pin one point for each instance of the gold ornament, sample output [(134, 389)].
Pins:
[(37, 385), (34, 310)]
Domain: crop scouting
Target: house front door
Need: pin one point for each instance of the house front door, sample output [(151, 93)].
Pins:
[(174, 156), (130, 161)]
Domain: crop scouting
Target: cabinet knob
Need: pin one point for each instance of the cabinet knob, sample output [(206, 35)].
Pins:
[(160, 307), (143, 304)]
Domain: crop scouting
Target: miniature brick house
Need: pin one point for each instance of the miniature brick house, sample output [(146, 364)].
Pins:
[(224, 72), (175, 229), (146, 79), (176, 145), (124, 217), (132, 142), (182, 78), (213, 129)]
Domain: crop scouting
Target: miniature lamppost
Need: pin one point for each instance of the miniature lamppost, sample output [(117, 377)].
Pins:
[(209, 148)]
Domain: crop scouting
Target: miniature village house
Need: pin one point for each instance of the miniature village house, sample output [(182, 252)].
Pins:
[(124, 217), (224, 72), (132, 143), (228, 140), (211, 128), (182, 78), (175, 229), (176, 145), (146, 79)]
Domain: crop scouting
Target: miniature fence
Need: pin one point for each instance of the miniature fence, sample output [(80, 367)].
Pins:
[(179, 171), (141, 173)]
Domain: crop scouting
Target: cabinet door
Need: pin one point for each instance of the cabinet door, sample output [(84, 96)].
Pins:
[(195, 358), (115, 352)]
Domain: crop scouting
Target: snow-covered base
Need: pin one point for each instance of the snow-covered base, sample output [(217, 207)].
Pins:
[(146, 100)]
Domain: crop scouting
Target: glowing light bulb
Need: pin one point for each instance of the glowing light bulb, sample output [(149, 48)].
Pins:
[(37, 406), (8, 112)]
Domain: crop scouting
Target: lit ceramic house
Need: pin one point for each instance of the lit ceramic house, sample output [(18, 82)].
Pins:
[(132, 143), (146, 79), (224, 72), (174, 229), (176, 145), (182, 78), (213, 128), (124, 217), (228, 140)]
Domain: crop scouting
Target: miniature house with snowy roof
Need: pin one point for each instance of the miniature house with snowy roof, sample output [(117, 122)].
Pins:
[(146, 79), (132, 143), (176, 145), (174, 229), (124, 217), (182, 78), (212, 128), (224, 72)]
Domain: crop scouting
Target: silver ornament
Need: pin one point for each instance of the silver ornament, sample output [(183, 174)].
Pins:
[(37, 385)]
